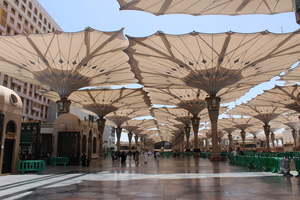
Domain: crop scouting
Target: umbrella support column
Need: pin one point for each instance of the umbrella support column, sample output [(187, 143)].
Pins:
[(187, 133), (101, 125), (213, 104), (195, 123), (118, 131)]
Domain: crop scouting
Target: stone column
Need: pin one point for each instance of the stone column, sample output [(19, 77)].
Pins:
[(195, 123), (136, 138), (187, 133), (273, 139), (118, 131), (101, 126), (243, 135), (182, 142), (267, 133), (129, 140), (213, 104), (294, 133), (230, 141)]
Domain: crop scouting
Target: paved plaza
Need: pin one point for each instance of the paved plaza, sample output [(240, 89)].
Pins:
[(166, 179)]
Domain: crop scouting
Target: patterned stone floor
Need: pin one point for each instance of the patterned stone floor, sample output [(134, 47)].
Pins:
[(166, 179)]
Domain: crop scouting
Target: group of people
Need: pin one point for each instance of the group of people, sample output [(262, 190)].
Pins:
[(85, 160), (117, 155)]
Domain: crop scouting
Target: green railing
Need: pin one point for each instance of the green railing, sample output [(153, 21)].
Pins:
[(59, 161), (31, 166)]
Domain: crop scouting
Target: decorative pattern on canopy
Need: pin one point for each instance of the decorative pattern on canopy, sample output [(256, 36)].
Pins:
[(67, 61), (280, 96), (292, 75), (208, 7), (216, 63), (263, 113)]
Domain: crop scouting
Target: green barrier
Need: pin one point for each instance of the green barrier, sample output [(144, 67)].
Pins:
[(31, 165), (59, 160), (297, 164)]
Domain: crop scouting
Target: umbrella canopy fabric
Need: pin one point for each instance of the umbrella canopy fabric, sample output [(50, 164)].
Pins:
[(143, 124), (179, 114), (66, 61), (104, 101), (280, 96), (212, 62), (263, 113), (292, 75), (121, 116), (208, 7)]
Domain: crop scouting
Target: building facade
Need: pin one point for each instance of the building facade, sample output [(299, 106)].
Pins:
[(26, 16)]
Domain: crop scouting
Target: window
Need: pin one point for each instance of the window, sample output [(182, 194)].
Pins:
[(40, 24), (41, 16), (45, 21), (44, 29), (49, 26), (5, 4), (31, 28), (19, 26), (34, 19), (17, 2), (11, 20), (25, 1), (13, 11), (26, 23), (23, 8), (30, 5), (20, 17), (8, 30), (29, 14)]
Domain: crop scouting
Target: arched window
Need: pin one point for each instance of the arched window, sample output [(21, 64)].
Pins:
[(10, 127), (30, 5)]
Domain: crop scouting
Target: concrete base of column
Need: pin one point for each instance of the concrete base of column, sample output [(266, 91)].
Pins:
[(216, 157), (197, 153)]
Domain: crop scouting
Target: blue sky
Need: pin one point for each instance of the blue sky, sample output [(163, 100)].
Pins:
[(104, 15)]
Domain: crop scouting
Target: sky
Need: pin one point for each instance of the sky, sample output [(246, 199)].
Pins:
[(104, 15)]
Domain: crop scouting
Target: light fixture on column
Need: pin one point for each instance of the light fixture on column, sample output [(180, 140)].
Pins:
[(213, 102), (63, 106)]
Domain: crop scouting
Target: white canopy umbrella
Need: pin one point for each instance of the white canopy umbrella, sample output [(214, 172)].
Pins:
[(225, 63), (66, 61), (209, 7)]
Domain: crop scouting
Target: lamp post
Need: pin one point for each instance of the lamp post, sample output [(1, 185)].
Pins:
[(213, 105), (118, 131), (101, 125), (267, 134), (187, 130)]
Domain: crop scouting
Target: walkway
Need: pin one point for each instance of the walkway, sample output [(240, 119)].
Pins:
[(167, 179)]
